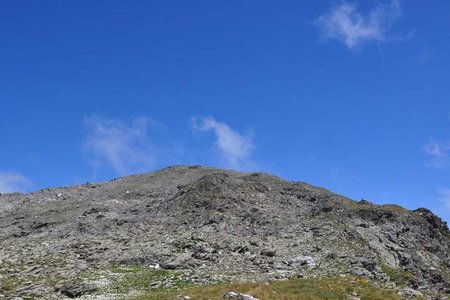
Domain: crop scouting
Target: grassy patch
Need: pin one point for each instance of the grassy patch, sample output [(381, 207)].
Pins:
[(398, 276), (16, 274), (394, 208), (122, 280), (294, 289), (138, 278), (10, 283)]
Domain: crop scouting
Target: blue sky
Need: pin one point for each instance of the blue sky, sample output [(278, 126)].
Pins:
[(352, 96)]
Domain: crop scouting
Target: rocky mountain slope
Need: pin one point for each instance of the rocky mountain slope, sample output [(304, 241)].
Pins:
[(210, 225)]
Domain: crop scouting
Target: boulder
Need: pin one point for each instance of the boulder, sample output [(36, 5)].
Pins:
[(238, 296), (301, 261)]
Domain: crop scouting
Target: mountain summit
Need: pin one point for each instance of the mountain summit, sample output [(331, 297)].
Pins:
[(210, 225)]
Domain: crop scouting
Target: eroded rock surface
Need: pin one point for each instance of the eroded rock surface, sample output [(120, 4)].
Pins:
[(212, 225)]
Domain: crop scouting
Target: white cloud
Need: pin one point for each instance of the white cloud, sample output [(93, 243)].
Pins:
[(124, 147), (439, 154), (235, 148), (348, 25), (13, 182), (445, 198), (425, 57)]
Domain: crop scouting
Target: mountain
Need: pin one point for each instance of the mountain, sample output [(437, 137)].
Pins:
[(209, 225)]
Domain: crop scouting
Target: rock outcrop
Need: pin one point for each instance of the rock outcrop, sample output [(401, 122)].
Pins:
[(214, 225)]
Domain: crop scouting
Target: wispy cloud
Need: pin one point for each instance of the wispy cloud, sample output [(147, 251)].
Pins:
[(445, 198), (234, 147), (439, 154), (13, 182), (425, 57), (124, 147), (348, 25)]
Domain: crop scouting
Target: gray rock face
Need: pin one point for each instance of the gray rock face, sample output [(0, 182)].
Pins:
[(301, 261), (238, 296), (208, 222), (410, 293), (74, 290)]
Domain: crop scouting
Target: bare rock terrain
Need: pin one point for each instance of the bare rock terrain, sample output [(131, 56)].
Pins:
[(208, 225)]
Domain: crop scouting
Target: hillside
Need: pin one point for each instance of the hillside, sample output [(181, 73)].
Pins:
[(195, 225)]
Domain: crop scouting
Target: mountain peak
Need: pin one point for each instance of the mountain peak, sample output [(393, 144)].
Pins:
[(222, 223)]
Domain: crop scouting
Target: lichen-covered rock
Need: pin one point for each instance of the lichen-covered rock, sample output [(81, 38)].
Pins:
[(238, 296), (409, 293), (211, 224), (75, 289), (301, 261)]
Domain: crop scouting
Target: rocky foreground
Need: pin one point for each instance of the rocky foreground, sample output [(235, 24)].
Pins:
[(194, 225)]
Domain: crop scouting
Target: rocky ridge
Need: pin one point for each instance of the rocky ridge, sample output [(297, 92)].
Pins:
[(208, 225)]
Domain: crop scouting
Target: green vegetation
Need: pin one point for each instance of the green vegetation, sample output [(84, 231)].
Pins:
[(20, 273), (294, 289), (394, 208), (9, 283), (151, 284), (397, 275), (136, 279)]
